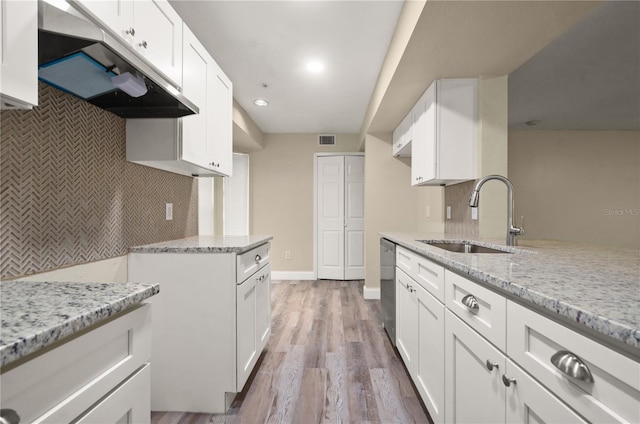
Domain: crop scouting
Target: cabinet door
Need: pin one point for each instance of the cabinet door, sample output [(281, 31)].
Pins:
[(196, 63), (429, 377), (529, 402), (117, 15), (424, 153), (263, 308), (19, 54), (159, 36), (406, 319), (474, 393), (456, 129), (246, 343), (128, 404), (220, 121)]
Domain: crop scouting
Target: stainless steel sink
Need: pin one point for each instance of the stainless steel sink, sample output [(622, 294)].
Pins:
[(463, 247)]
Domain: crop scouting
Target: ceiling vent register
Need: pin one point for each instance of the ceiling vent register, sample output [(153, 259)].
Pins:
[(326, 140)]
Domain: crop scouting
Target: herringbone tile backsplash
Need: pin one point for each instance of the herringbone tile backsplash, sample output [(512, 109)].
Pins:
[(67, 194)]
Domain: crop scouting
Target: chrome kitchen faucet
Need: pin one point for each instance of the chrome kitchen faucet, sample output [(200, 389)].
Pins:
[(512, 230)]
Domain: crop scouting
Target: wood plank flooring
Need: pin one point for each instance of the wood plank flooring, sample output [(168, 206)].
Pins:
[(328, 361)]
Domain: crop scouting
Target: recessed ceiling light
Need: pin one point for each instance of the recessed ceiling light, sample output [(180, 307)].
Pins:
[(260, 102), (315, 67)]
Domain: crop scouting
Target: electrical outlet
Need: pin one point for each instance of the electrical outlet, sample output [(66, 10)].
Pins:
[(287, 255), (474, 213), (168, 211), (448, 212)]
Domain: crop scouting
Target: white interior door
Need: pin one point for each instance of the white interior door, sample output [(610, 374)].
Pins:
[(354, 217), (340, 217), (330, 188)]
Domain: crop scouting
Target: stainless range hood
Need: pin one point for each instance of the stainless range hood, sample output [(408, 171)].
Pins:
[(77, 56)]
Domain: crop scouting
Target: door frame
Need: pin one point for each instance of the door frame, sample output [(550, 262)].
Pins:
[(315, 201)]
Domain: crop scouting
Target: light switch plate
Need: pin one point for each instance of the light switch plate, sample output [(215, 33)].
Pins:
[(448, 212), (474, 213)]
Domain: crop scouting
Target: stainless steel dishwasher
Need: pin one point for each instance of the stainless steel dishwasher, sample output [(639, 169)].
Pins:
[(388, 287)]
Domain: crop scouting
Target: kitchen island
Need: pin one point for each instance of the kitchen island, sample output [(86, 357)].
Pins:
[(75, 350), (547, 331), (212, 320)]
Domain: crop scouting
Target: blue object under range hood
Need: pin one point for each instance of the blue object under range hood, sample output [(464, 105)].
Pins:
[(80, 58), (79, 75)]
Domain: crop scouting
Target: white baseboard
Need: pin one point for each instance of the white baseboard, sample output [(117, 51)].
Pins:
[(292, 275), (371, 293)]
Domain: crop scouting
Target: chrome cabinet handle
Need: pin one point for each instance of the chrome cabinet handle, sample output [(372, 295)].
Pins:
[(571, 365), (143, 44), (471, 302), (9, 416), (258, 258), (131, 31), (508, 381), (491, 365)]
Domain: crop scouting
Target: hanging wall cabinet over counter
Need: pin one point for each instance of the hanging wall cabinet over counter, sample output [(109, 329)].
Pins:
[(194, 145), (440, 133)]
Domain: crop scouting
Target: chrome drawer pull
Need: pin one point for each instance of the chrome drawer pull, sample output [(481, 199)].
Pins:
[(491, 365), (258, 258), (471, 302), (571, 365), (508, 381)]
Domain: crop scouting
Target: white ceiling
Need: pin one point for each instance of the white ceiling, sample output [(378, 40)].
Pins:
[(270, 42), (588, 78)]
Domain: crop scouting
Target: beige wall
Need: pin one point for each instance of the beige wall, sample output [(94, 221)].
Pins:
[(391, 203), (281, 194), (578, 185)]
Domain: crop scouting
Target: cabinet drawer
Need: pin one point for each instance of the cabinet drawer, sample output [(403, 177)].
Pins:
[(614, 394), (62, 383), (128, 404), (404, 260), (488, 315), (430, 276), (249, 262), (424, 271)]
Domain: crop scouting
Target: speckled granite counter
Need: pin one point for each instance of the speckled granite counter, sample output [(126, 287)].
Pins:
[(204, 244), (37, 314), (595, 286)]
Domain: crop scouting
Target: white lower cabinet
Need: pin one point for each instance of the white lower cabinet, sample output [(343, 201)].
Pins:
[(254, 321), (477, 375), (529, 402), (419, 339), (480, 358), (212, 319), (406, 320), (475, 393), (101, 376)]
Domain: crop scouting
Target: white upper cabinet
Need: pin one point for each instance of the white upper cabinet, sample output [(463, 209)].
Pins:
[(443, 133), (194, 145), (402, 137), (152, 27), (207, 137), (18, 54)]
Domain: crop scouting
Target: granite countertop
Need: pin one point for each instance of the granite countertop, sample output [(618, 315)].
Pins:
[(592, 285), (35, 315), (204, 244)]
